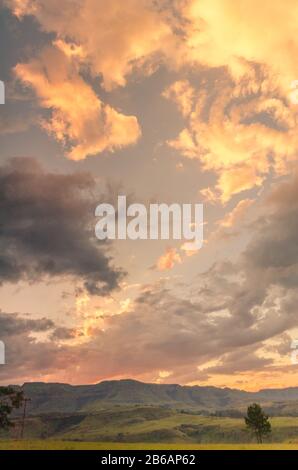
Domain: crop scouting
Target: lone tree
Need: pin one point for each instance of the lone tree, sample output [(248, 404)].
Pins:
[(10, 399), (257, 422)]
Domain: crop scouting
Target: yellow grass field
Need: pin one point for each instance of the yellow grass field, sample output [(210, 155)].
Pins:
[(71, 445)]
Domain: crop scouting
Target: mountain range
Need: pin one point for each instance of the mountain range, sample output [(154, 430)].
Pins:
[(65, 398)]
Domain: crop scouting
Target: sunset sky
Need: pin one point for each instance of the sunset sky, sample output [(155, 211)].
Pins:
[(185, 101)]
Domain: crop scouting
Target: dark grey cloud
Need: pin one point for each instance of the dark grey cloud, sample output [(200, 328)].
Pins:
[(241, 360), (270, 261), (47, 228), (12, 324), (274, 250), (26, 356), (63, 333)]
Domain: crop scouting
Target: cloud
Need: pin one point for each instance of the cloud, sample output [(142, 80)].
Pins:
[(227, 320), (11, 124), (273, 253), (182, 93), (14, 324), (115, 39), (234, 311), (237, 214), (212, 33), (249, 118), (244, 117), (46, 228), (25, 355), (168, 260), (231, 34), (63, 333), (79, 119), (105, 42), (239, 361), (241, 131)]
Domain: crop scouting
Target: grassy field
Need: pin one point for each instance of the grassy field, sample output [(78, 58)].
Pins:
[(151, 425), (69, 445), (144, 427)]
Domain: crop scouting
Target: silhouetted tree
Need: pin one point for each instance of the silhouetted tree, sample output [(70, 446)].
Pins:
[(10, 399), (257, 422)]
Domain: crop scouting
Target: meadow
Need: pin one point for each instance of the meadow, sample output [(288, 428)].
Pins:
[(71, 445), (144, 427)]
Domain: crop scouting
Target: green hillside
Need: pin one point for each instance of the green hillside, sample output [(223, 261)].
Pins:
[(148, 424)]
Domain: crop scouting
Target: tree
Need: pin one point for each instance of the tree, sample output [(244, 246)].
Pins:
[(257, 422), (10, 399)]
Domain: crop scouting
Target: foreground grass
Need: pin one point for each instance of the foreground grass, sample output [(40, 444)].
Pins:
[(70, 445), (155, 425), (144, 428)]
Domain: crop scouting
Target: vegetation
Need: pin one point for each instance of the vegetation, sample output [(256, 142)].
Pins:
[(155, 425), (129, 414), (68, 445), (10, 399), (257, 422)]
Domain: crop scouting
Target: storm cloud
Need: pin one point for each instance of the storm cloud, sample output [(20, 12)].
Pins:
[(14, 324), (46, 228)]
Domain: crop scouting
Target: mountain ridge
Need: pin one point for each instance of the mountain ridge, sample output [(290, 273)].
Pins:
[(261, 390), (61, 398)]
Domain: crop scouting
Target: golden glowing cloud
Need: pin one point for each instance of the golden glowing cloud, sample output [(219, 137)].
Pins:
[(227, 33), (79, 119), (243, 130), (247, 131), (115, 38), (182, 93), (168, 260)]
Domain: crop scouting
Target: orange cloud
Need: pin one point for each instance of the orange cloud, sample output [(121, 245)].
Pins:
[(109, 40), (168, 260), (251, 121), (182, 93), (241, 132), (227, 33), (79, 119), (115, 38)]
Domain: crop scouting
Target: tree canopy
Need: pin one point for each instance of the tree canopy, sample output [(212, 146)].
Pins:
[(10, 399), (257, 422)]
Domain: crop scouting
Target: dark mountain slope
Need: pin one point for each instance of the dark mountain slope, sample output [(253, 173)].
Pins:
[(63, 398)]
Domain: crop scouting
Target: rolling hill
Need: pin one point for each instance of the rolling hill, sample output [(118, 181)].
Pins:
[(153, 424)]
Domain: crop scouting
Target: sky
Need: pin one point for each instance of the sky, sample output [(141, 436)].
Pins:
[(181, 101)]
